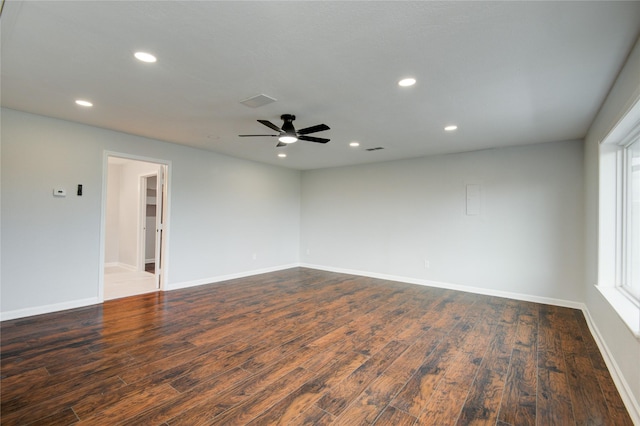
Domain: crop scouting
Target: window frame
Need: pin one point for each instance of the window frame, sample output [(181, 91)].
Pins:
[(623, 280), (612, 213)]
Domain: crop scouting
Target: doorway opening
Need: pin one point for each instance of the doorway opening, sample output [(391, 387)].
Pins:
[(135, 224)]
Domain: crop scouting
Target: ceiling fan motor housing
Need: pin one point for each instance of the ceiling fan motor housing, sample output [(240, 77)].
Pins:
[(287, 126)]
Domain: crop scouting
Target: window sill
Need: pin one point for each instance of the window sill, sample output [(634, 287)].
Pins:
[(626, 309)]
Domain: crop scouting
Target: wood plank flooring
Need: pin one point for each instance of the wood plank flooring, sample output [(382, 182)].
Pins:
[(306, 347)]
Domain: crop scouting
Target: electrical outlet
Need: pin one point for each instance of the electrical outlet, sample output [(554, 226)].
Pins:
[(427, 264)]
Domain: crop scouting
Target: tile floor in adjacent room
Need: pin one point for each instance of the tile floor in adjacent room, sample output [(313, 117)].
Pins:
[(122, 282)]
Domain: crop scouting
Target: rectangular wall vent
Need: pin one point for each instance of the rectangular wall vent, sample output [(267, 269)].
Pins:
[(375, 149)]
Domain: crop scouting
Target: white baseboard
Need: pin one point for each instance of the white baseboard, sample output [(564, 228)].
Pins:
[(219, 278), (632, 405), (47, 309), (458, 287)]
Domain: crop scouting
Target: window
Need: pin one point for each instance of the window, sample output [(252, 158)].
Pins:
[(619, 219), (629, 279)]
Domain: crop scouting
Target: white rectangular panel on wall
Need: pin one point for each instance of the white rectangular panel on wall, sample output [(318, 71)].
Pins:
[(474, 199)]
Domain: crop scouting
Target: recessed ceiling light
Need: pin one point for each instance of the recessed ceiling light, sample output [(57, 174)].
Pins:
[(406, 82), (83, 103), (282, 155), (451, 128), (145, 57), (354, 144)]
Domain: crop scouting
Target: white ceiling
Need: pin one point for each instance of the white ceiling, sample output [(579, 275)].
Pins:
[(507, 73)]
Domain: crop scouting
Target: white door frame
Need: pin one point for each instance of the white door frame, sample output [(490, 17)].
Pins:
[(167, 214), (161, 220)]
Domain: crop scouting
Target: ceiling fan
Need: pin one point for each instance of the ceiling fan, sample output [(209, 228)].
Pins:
[(288, 134)]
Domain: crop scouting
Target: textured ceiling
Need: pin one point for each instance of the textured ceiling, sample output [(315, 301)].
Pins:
[(507, 73)]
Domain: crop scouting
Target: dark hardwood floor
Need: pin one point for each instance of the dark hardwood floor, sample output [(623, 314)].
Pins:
[(307, 347)]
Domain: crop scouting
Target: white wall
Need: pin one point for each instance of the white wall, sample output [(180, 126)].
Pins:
[(621, 345), (388, 218), (222, 211)]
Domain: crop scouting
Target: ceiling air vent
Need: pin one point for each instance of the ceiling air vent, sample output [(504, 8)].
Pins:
[(258, 101), (375, 149)]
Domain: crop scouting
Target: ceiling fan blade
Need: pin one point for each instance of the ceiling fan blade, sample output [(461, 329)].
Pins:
[(245, 136), (280, 144), (313, 139), (270, 125), (313, 129)]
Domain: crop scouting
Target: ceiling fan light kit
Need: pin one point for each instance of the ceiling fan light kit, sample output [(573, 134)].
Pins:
[(287, 134), (288, 138)]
